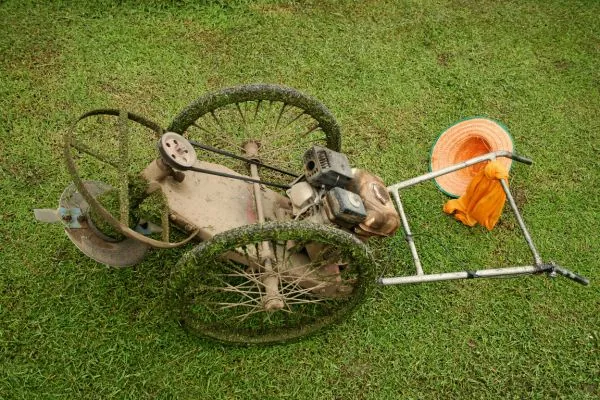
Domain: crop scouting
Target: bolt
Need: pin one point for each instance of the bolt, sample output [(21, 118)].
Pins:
[(178, 176)]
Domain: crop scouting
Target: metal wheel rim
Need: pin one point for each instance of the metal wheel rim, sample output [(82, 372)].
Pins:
[(284, 121), (198, 263)]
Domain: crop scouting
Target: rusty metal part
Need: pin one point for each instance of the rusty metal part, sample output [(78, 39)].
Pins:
[(156, 172), (318, 271), (382, 218), (272, 300), (213, 204), (69, 142), (176, 151), (90, 240)]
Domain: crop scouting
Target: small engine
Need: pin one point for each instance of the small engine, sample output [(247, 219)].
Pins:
[(331, 192), (325, 167), (344, 207)]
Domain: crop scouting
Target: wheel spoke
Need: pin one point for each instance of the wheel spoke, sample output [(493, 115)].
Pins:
[(217, 137), (244, 316), (257, 108), (237, 105), (281, 111), (224, 305), (265, 120), (196, 125), (301, 113), (86, 149), (219, 124), (306, 301), (235, 290), (310, 130)]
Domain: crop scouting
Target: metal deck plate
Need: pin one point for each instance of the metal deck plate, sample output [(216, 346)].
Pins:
[(215, 204)]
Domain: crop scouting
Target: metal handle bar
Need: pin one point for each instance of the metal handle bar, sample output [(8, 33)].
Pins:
[(538, 266), (456, 167), (506, 272)]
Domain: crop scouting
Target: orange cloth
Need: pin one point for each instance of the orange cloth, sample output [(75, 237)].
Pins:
[(484, 199)]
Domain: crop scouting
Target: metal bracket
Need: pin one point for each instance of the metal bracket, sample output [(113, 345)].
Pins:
[(147, 228), (70, 217)]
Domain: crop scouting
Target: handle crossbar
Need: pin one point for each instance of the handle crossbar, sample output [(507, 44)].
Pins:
[(458, 166)]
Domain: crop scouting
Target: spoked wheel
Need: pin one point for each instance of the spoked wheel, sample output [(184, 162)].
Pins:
[(283, 121), (223, 289)]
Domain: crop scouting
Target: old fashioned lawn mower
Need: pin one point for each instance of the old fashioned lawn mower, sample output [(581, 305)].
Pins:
[(276, 219)]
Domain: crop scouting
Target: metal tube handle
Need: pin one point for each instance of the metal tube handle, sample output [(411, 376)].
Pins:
[(464, 164)]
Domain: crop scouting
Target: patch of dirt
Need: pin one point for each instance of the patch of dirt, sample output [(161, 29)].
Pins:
[(35, 50), (443, 59), (210, 38), (562, 65), (520, 195), (215, 82), (275, 9)]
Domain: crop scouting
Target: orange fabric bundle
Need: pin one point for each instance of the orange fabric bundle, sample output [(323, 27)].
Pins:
[(484, 199)]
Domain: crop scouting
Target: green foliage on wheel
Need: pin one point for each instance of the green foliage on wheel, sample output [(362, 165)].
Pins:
[(282, 120), (218, 290)]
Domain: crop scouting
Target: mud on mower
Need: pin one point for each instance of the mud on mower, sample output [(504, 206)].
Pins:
[(279, 219)]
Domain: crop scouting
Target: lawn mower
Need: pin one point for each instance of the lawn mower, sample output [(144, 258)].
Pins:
[(275, 220)]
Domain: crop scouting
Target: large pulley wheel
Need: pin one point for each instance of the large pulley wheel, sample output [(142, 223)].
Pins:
[(113, 147), (220, 288), (282, 121), (176, 151)]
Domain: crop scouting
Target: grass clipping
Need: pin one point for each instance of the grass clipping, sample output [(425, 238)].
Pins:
[(142, 206)]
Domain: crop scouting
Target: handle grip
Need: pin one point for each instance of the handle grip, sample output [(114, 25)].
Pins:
[(571, 275), (522, 159)]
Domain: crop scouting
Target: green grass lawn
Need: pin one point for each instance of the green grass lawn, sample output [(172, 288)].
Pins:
[(395, 74)]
